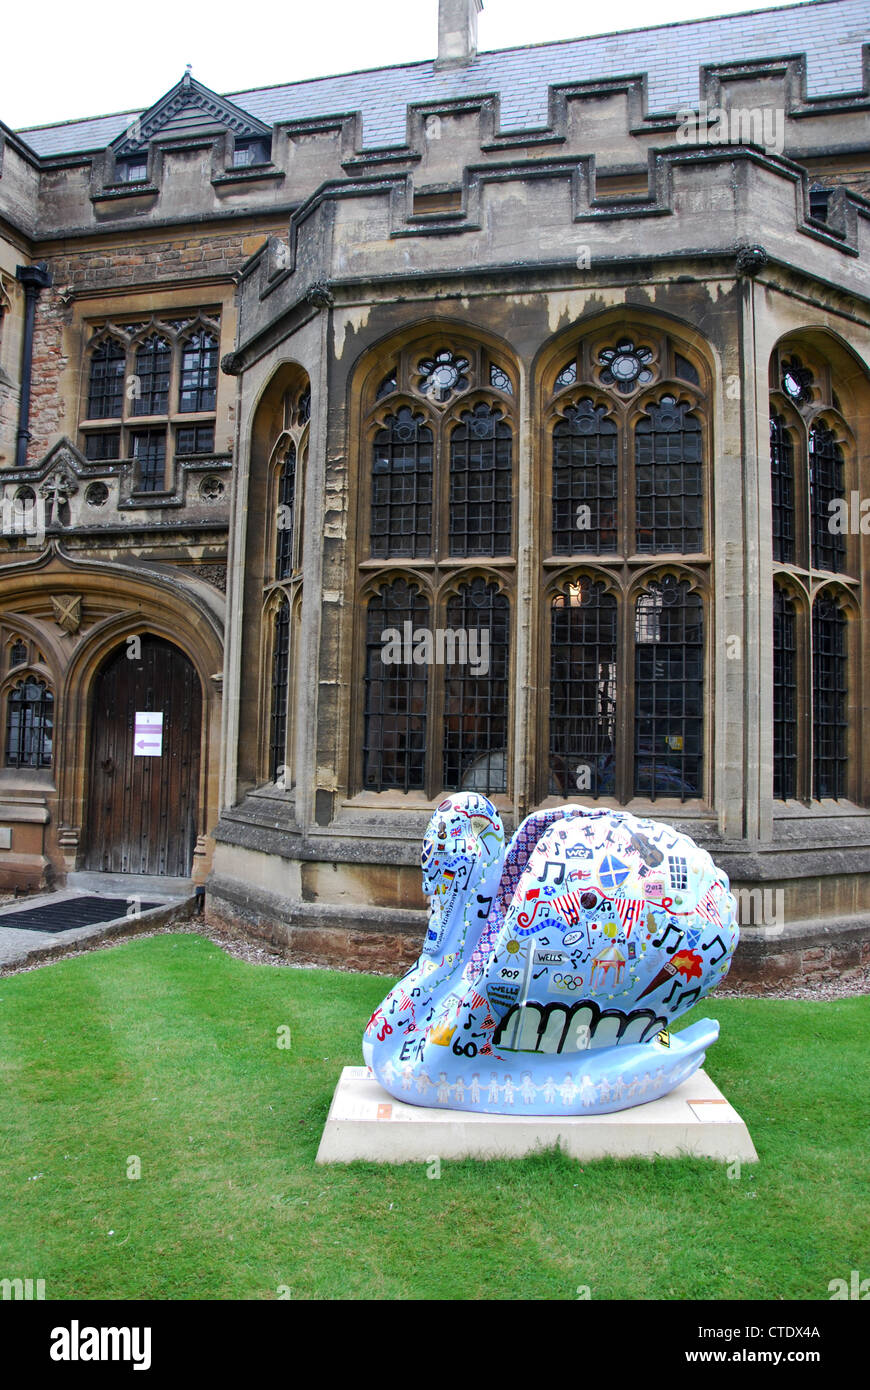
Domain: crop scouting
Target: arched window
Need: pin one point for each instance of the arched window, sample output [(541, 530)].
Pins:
[(782, 490), (150, 388), (584, 480), (481, 448), (815, 465), (396, 686), (29, 724), (830, 722), (784, 694), (283, 574), (628, 432), (438, 425), (401, 521), (280, 675), (826, 486), (286, 513), (199, 368), (583, 653), (476, 689), (106, 384), (138, 371), (668, 479), (669, 691)]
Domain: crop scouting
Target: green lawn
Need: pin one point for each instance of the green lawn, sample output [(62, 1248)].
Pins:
[(165, 1049)]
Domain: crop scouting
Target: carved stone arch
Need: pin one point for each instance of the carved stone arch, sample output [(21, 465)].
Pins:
[(468, 402), (847, 373), (698, 580), (574, 574), (624, 319), (681, 393), (451, 584), (370, 369), (372, 584)]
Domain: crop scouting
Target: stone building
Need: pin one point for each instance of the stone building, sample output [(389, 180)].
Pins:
[(536, 465)]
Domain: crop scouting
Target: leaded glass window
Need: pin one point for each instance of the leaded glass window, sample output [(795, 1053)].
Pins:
[(826, 486), (584, 481), (481, 470), (442, 375), (149, 389), (396, 687), (830, 720), (669, 689), (280, 687), (476, 689), (668, 479), (784, 695), (401, 502), (583, 691), (199, 367), (286, 514), (29, 724), (106, 387), (782, 490), (149, 451)]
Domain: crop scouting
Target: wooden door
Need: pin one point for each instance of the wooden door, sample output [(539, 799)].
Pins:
[(142, 810)]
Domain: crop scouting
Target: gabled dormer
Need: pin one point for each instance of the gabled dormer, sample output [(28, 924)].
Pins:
[(189, 114)]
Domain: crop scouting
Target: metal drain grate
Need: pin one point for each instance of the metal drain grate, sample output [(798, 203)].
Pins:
[(72, 912)]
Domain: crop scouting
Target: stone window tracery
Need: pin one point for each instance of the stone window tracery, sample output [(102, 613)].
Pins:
[(814, 464), (163, 373), (626, 439), (438, 436)]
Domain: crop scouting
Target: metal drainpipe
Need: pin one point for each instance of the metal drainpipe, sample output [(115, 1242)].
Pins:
[(35, 279)]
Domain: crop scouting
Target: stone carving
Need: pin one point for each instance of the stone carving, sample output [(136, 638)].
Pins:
[(67, 610)]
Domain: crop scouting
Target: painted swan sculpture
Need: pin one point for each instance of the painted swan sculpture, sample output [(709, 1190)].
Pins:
[(551, 973)]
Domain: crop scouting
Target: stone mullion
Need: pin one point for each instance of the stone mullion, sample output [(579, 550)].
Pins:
[(529, 472), (745, 733)]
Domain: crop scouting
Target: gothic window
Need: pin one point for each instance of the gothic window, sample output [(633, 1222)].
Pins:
[(826, 487), (149, 388), (583, 652), (814, 462), (782, 489), (627, 440), (830, 722), (784, 694), (480, 483), (280, 675), (669, 691), (396, 687), (286, 513), (668, 479), (139, 371), (17, 653), (283, 579), (476, 689), (199, 368), (106, 389), (584, 480), (29, 724), (438, 457)]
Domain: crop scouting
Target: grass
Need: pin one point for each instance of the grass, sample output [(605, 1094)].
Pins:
[(165, 1049)]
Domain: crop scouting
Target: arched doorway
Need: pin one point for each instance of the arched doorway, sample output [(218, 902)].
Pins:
[(142, 804)]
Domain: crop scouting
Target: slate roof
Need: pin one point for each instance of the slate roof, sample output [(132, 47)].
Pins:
[(828, 32)]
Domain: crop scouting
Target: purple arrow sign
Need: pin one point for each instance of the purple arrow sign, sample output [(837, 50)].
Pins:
[(148, 734)]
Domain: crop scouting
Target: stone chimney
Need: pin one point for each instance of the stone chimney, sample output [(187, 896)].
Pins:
[(457, 32)]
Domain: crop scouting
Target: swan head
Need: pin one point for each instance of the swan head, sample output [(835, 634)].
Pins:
[(461, 859)]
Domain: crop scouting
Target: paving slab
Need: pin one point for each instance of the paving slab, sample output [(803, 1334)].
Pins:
[(23, 944), (364, 1122)]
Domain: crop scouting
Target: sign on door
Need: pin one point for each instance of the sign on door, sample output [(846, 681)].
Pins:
[(148, 736)]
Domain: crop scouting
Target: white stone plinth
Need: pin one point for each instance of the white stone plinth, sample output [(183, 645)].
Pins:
[(364, 1122)]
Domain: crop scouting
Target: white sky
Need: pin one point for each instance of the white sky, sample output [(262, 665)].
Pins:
[(102, 56)]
